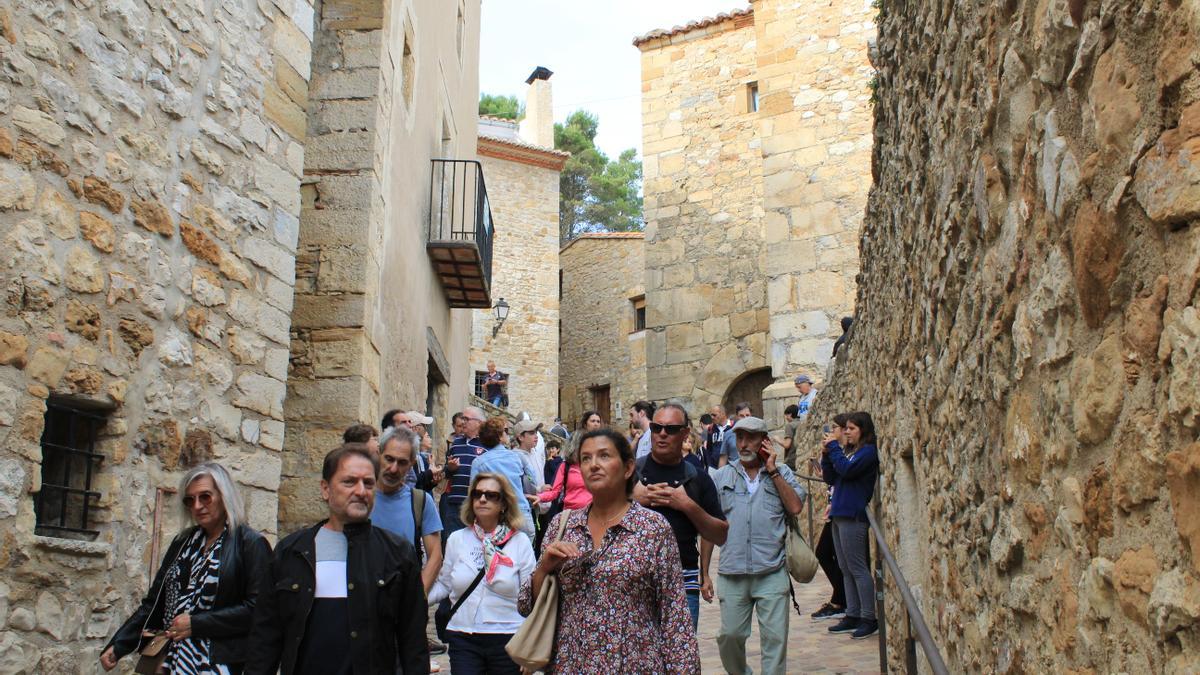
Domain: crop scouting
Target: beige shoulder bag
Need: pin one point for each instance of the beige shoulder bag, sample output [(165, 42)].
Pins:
[(533, 644)]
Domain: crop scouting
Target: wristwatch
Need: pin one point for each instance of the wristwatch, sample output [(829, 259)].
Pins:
[(774, 473)]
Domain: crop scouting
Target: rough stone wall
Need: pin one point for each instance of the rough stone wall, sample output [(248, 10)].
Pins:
[(600, 276), (815, 124), (1027, 329), (706, 299), (524, 202), (149, 194), (391, 91)]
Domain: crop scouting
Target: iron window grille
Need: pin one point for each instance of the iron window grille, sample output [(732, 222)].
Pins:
[(69, 463)]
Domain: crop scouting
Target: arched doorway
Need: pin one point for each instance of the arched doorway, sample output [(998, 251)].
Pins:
[(749, 388)]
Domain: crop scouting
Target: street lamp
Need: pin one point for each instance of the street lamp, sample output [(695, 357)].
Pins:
[(501, 315)]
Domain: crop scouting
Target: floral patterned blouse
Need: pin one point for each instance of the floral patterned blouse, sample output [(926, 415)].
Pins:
[(622, 608)]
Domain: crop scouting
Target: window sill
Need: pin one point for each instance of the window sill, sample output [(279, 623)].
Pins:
[(74, 546)]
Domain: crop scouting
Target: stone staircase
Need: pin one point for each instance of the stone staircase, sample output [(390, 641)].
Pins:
[(494, 411)]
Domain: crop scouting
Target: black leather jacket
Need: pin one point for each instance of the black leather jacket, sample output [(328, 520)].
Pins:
[(244, 561), (386, 600)]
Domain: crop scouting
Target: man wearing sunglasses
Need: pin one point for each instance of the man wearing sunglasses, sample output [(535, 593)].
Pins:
[(685, 496)]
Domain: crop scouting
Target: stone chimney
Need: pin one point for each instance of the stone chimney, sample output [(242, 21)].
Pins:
[(538, 126)]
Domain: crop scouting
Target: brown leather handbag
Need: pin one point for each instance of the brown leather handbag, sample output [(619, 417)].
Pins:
[(153, 654)]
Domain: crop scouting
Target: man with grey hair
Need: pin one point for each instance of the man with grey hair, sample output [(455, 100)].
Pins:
[(402, 509), (804, 385), (752, 570)]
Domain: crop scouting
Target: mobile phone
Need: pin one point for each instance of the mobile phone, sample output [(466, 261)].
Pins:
[(763, 454), (826, 428)]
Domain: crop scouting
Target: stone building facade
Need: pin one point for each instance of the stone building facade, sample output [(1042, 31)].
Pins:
[(394, 86), (1036, 214), (602, 364), (149, 205), (522, 169), (756, 142)]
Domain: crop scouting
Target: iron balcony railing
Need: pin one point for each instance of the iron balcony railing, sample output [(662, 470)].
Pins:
[(459, 210)]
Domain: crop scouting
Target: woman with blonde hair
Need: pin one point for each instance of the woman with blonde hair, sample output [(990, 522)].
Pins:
[(202, 598), (485, 565)]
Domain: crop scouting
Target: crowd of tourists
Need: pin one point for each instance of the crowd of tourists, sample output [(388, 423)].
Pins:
[(590, 556)]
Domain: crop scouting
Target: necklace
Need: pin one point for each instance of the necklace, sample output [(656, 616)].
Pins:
[(620, 512)]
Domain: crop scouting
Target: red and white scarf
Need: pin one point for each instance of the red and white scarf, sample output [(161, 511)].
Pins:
[(491, 542)]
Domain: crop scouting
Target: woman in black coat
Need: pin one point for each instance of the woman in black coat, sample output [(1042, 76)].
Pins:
[(203, 595)]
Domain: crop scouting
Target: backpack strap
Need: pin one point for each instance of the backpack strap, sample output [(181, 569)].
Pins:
[(418, 511)]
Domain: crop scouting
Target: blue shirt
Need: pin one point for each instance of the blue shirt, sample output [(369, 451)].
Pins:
[(394, 513), (510, 464), (466, 450)]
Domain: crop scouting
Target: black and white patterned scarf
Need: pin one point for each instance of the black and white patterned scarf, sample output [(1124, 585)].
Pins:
[(191, 588)]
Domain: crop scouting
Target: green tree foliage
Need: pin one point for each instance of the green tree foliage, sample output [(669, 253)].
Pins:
[(597, 194), (507, 107)]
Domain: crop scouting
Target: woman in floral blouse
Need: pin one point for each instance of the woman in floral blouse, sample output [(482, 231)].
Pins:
[(622, 605)]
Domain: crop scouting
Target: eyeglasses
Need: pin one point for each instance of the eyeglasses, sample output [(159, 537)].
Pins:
[(486, 495), (205, 498), (671, 429)]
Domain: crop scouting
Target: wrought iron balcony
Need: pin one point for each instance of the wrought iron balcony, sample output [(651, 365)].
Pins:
[(459, 241)]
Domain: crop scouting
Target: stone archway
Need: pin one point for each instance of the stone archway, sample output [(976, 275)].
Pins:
[(748, 387)]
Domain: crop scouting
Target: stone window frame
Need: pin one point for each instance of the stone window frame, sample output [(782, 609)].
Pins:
[(752, 97), (74, 454), (638, 304)]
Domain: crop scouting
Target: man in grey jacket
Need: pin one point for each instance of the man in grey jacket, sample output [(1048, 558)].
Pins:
[(758, 495)]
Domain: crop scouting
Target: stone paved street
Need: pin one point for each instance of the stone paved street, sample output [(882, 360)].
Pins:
[(811, 649)]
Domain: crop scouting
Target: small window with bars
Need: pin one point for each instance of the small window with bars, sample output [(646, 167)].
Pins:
[(639, 313), (65, 505), (480, 390)]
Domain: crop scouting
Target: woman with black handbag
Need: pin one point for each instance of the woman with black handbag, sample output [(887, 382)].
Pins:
[(485, 564), (198, 611)]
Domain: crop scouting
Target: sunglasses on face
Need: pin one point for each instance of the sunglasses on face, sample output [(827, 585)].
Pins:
[(670, 429), (486, 495), (204, 499)]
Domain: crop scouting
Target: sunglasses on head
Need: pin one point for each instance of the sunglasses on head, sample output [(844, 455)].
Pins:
[(486, 495), (671, 429), (205, 498)]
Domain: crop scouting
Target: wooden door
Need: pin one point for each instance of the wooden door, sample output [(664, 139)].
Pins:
[(602, 403)]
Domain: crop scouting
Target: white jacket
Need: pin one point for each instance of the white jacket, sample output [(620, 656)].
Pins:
[(491, 608)]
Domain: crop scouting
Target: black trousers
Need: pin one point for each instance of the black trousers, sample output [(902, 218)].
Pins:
[(829, 563), (480, 654), (827, 556)]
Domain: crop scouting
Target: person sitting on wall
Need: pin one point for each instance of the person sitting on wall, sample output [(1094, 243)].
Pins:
[(493, 383)]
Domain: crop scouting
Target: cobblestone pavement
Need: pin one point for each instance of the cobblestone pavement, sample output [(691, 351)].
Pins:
[(811, 648)]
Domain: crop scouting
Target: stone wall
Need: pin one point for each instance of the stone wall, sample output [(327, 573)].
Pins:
[(601, 274), (392, 89), (815, 123), (706, 299), (149, 195), (1027, 330), (756, 134), (524, 198)]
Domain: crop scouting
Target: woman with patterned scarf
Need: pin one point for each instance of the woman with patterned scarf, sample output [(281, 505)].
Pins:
[(202, 597), (485, 565)]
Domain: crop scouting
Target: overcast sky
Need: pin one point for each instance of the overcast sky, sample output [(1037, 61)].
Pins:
[(589, 46)]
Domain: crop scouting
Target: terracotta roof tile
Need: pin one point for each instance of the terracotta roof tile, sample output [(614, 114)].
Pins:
[(693, 25), (519, 143)]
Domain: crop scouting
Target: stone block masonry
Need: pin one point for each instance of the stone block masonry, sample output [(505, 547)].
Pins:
[(601, 347), (150, 161), (1028, 326), (756, 133)]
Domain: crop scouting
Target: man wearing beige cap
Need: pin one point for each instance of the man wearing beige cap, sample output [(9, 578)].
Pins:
[(757, 496)]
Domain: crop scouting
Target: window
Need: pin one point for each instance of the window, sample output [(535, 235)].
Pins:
[(639, 313), (69, 462), (408, 66), (480, 375), (752, 97)]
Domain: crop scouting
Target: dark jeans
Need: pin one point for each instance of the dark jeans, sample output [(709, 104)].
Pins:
[(480, 654), (827, 556)]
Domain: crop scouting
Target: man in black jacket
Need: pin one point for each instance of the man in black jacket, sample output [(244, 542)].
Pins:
[(342, 597)]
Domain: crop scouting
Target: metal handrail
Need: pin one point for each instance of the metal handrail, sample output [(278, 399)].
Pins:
[(916, 620)]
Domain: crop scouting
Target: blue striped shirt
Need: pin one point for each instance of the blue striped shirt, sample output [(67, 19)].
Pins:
[(466, 450)]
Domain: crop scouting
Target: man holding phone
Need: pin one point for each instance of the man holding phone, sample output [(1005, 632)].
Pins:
[(753, 570)]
